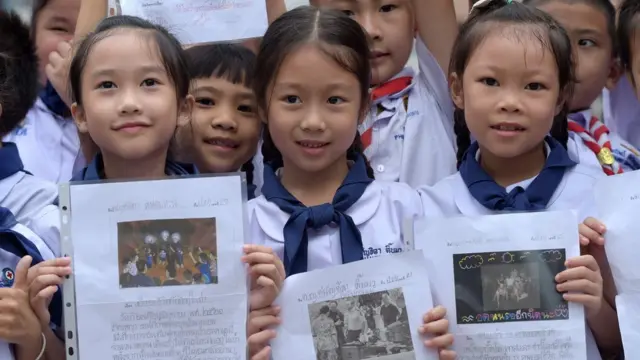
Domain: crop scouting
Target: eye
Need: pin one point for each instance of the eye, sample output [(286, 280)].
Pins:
[(245, 108), (387, 8), (150, 82), (535, 87), (335, 100), (490, 82), (205, 102), (106, 85), (292, 99), (586, 43), (348, 12)]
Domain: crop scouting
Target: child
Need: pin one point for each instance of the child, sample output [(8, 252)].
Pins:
[(47, 138), (407, 133), (511, 78), (627, 35), (312, 88), (134, 110), (224, 130), (30, 199), (591, 28)]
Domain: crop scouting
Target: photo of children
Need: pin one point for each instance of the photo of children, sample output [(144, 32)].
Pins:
[(167, 252)]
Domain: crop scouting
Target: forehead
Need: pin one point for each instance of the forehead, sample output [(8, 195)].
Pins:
[(577, 16), (124, 49), (312, 66), (220, 84), (355, 2), (62, 9)]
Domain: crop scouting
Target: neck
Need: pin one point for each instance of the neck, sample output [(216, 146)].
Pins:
[(317, 187), (509, 171), (152, 167)]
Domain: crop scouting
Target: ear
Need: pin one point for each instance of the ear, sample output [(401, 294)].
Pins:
[(455, 87), (79, 118), (615, 73), (184, 114)]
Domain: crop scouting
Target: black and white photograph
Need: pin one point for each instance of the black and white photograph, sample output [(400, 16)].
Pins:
[(508, 286), (368, 326)]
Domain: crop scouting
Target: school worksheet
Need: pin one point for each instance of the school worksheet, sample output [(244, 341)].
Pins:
[(496, 277), (369, 309), (200, 21), (157, 271)]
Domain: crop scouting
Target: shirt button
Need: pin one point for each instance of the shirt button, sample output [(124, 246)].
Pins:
[(380, 168)]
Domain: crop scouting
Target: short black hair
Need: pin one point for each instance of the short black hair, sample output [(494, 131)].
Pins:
[(232, 62), (18, 71), (627, 25)]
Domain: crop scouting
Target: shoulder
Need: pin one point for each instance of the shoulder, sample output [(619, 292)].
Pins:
[(440, 199), (397, 197)]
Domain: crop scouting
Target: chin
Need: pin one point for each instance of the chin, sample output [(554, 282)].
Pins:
[(506, 152)]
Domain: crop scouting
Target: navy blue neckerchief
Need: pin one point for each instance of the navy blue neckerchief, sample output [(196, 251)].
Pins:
[(251, 191), (537, 195), (17, 244), (95, 170), (296, 241), (10, 162), (53, 102)]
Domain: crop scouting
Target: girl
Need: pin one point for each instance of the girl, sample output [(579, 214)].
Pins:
[(47, 139), (312, 87), (224, 130), (511, 78)]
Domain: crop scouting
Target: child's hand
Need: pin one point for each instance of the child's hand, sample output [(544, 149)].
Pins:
[(259, 334), (437, 326), (19, 324), (267, 274), (591, 232), (582, 283), (44, 279), (57, 70)]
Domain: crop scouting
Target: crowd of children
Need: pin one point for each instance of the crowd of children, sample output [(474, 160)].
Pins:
[(498, 117)]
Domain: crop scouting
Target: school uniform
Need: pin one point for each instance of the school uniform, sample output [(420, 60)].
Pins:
[(408, 134), (17, 241), (32, 200), (561, 185), (95, 170), (48, 139), (621, 111), (614, 154)]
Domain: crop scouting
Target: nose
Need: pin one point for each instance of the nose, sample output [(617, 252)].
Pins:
[(129, 103), (510, 102), (371, 24), (224, 121), (313, 121)]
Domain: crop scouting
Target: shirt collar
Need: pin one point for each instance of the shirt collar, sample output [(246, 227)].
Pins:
[(10, 162)]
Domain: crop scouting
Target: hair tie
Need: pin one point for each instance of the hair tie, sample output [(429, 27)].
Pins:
[(484, 3)]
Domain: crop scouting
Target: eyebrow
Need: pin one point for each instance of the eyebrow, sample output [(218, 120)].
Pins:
[(244, 95), (57, 18), (296, 86), (591, 32), (144, 69)]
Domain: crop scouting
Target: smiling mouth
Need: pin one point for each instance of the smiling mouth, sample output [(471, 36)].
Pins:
[(508, 127), (223, 143), (312, 144)]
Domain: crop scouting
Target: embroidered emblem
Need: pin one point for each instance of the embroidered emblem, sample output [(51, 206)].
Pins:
[(7, 278)]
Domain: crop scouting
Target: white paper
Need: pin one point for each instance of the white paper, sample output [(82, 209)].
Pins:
[(628, 315), (525, 317), (116, 319), (356, 290), (200, 21)]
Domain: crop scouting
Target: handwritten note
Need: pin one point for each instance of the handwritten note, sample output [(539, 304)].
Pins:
[(157, 270), (367, 308), (496, 277), (200, 21)]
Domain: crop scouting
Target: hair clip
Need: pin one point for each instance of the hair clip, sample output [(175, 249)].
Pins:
[(480, 4)]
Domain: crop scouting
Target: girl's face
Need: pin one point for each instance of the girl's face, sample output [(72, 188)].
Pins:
[(509, 92), (56, 22), (129, 102), (313, 110), (225, 128)]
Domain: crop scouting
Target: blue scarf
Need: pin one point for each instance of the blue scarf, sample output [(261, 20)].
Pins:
[(95, 170), (14, 242), (10, 162), (537, 195), (296, 241), (53, 102)]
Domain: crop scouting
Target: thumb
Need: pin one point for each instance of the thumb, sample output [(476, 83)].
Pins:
[(20, 277)]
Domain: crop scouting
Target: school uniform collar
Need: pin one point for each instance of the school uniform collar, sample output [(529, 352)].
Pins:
[(581, 117), (389, 103), (95, 170), (53, 102), (10, 162)]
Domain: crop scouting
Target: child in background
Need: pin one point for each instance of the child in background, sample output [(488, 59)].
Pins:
[(224, 130), (312, 88), (407, 134), (591, 28), (30, 199), (629, 42), (47, 138)]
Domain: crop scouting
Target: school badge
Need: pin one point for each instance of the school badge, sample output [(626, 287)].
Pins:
[(7, 278)]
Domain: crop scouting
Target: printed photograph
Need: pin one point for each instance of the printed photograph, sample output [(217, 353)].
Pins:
[(167, 252), (509, 286), (368, 326)]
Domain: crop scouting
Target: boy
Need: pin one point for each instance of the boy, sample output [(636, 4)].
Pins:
[(30, 199), (591, 28), (408, 133)]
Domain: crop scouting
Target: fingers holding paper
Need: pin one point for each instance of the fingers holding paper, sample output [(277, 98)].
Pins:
[(18, 323), (591, 232), (259, 332), (582, 283), (437, 326), (44, 279), (267, 275)]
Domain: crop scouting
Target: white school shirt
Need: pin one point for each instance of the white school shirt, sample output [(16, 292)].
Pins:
[(415, 145), (49, 144), (621, 111), (32, 201)]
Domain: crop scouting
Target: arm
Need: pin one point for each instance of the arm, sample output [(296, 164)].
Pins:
[(30, 351), (605, 329), (56, 349), (91, 13), (437, 27)]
